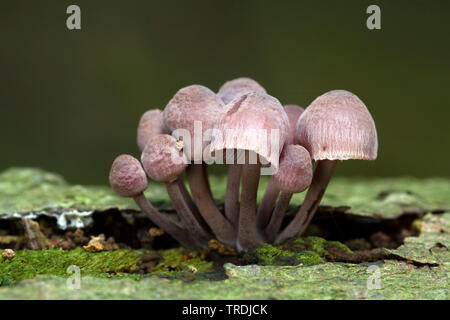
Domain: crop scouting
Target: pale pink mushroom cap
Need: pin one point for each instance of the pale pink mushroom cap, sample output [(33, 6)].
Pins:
[(190, 104), (150, 125), (233, 89), (127, 177), (163, 158), (295, 171), (248, 122), (293, 112), (337, 126)]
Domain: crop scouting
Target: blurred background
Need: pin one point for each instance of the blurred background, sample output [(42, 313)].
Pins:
[(71, 100)]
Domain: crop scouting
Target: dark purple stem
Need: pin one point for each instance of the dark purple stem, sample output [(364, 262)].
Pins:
[(321, 178), (192, 207), (179, 234), (266, 206), (232, 193), (189, 221), (274, 225), (248, 235), (219, 225)]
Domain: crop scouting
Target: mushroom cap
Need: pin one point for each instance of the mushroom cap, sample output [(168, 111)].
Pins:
[(295, 170), (191, 104), (248, 123), (163, 158), (337, 126), (150, 125), (127, 177), (293, 112), (233, 89)]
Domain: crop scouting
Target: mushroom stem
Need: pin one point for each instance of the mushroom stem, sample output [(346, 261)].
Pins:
[(274, 225), (192, 207), (220, 226), (179, 234), (266, 205), (248, 235), (205, 173), (321, 178), (189, 221), (232, 193)]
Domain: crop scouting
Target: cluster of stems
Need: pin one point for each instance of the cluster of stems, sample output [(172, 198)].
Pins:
[(242, 224)]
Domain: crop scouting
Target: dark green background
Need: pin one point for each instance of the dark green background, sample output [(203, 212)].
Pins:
[(71, 100)]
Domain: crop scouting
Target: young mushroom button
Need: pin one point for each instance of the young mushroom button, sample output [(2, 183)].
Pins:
[(293, 176), (336, 126), (128, 179), (164, 161), (271, 194)]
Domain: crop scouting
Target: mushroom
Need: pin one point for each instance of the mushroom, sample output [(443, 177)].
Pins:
[(192, 112), (265, 208), (293, 176), (235, 88), (254, 124), (229, 91), (128, 179), (150, 124), (164, 161), (293, 112), (336, 126)]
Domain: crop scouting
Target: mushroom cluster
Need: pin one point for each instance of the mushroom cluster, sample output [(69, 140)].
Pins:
[(249, 131)]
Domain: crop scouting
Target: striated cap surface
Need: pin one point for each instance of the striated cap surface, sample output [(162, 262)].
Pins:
[(191, 104), (127, 177), (254, 122), (163, 158), (233, 89), (337, 126)]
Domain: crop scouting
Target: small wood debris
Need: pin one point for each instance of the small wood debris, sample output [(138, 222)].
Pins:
[(97, 244), (156, 232), (35, 238), (193, 269), (8, 254), (221, 248)]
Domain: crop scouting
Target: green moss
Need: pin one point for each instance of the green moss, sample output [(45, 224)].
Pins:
[(306, 251), (341, 246), (267, 254), (24, 190), (431, 246), (28, 264), (399, 280), (182, 260), (308, 258), (317, 245)]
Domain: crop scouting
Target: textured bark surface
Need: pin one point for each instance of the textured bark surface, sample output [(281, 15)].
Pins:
[(417, 269)]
